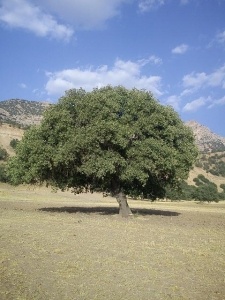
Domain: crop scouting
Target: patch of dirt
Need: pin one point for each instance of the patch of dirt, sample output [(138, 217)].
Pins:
[(65, 247)]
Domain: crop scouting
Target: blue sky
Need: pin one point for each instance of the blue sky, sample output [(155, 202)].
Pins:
[(174, 48)]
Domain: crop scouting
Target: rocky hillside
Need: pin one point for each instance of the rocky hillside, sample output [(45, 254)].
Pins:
[(206, 140), (22, 112)]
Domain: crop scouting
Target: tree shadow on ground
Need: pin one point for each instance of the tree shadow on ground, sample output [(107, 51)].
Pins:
[(108, 211)]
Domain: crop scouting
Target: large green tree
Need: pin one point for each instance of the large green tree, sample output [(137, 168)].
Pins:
[(113, 140)]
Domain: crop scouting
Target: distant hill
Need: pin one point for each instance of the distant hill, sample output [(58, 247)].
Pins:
[(206, 140), (22, 112)]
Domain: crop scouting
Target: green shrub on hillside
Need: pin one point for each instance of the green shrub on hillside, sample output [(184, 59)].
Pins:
[(13, 143), (222, 186), (205, 190), (3, 175), (197, 181), (222, 196), (3, 154), (203, 179), (221, 168), (199, 164), (212, 163)]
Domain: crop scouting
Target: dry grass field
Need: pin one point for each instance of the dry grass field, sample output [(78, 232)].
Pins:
[(7, 133), (58, 246)]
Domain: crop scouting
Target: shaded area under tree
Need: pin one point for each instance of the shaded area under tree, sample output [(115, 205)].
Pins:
[(104, 210)]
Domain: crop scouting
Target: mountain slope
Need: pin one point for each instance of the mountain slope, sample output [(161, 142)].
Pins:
[(206, 140), (22, 112)]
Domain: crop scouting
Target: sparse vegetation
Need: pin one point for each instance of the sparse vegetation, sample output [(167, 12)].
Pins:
[(19, 106), (3, 154), (65, 247), (213, 163), (218, 147), (206, 190), (22, 113)]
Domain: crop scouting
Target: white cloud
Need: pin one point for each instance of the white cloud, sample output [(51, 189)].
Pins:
[(86, 14), (41, 16), (23, 14), (184, 2), (220, 101), (199, 80), (195, 104), (195, 80), (181, 49), (146, 5), (186, 92), (155, 60), (221, 37), (174, 101), (126, 73), (218, 39), (22, 85), (202, 101)]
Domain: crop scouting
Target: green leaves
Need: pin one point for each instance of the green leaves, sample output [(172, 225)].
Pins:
[(110, 138)]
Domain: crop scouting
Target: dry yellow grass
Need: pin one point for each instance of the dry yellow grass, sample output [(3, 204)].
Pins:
[(7, 133), (66, 247)]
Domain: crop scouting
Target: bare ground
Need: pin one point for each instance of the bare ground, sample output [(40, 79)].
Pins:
[(65, 247)]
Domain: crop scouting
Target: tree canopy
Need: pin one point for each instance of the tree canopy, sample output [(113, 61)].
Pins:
[(113, 140)]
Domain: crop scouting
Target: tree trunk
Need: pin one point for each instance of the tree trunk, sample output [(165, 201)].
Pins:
[(124, 209)]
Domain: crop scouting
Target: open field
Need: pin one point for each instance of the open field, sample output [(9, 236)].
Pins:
[(57, 246)]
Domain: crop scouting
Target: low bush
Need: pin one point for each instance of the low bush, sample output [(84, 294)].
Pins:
[(14, 143), (3, 175), (3, 154)]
